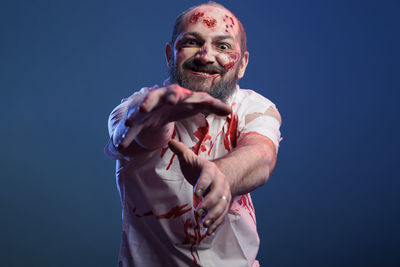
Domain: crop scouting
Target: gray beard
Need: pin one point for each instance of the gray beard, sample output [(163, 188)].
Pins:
[(221, 90)]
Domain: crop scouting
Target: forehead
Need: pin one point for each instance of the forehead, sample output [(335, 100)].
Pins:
[(211, 19)]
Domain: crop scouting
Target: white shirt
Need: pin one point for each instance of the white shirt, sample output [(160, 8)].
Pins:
[(160, 227)]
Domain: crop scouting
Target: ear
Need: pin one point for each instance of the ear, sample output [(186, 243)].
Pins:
[(243, 64), (168, 54)]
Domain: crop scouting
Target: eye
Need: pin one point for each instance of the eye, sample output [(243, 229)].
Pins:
[(223, 46), (191, 42)]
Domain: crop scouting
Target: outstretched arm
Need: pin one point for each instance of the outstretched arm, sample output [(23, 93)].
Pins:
[(148, 123), (244, 169)]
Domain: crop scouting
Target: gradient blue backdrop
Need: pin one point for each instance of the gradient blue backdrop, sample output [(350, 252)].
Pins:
[(332, 68)]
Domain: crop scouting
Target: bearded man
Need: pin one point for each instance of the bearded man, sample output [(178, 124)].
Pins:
[(189, 153)]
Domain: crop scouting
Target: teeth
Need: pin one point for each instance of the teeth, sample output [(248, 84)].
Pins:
[(209, 73)]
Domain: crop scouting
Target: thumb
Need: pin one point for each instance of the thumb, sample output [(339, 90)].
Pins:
[(181, 151), (187, 160)]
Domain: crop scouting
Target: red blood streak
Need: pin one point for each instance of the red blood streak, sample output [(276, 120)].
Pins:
[(246, 203), (173, 155), (203, 136), (229, 66), (213, 80), (188, 236), (234, 57), (164, 149), (210, 23), (170, 162), (230, 135), (195, 17), (212, 144), (175, 212), (195, 237), (142, 215)]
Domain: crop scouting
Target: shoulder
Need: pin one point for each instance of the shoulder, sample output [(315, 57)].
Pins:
[(247, 103)]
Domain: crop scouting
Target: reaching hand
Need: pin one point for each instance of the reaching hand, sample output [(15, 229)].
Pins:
[(205, 176), (167, 104)]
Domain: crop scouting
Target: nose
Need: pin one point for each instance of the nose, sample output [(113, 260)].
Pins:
[(204, 55)]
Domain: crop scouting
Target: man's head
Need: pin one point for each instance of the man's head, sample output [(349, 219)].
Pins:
[(208, 50)]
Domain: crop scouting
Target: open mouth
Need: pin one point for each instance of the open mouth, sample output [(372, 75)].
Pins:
[(204, 73)]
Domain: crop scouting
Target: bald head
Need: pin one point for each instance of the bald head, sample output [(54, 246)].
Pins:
[(190, 15)]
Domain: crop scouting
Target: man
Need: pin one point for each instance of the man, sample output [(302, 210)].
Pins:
[(189, 153)]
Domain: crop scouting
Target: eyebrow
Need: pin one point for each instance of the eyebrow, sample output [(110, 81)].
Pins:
[(217, 38)]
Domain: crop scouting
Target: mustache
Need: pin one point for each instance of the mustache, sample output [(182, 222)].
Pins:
[(199, 67)]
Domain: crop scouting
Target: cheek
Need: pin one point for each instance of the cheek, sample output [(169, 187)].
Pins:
[(228, 60), (183, 53)]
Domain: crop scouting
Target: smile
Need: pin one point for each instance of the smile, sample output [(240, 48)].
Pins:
[(204, 74)]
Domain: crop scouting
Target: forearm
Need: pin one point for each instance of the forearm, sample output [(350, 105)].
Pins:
[(147, 120), (249, 165)]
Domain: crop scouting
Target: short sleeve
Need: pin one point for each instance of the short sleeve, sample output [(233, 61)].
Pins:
[(115, 117), (258, 115)]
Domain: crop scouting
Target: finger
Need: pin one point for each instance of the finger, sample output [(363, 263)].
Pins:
[(180, 92), (152, 100), (219, 108), (205, 102), (204, 182), (188, 161), (175, 93), (171, 99), (154, 87), (216, 211), (211, 229), (212, 202)]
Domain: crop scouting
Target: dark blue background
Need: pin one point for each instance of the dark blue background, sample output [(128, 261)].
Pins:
[(332, 68)]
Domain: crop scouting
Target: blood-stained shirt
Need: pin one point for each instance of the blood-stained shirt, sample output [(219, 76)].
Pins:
[(160, 226)]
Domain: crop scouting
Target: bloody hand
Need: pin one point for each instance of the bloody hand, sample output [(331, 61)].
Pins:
[(167, 104), (205, 176)]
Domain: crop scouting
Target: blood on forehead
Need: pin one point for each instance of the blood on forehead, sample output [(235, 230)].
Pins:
[(211, 17), (229, 22), (210, 22)]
